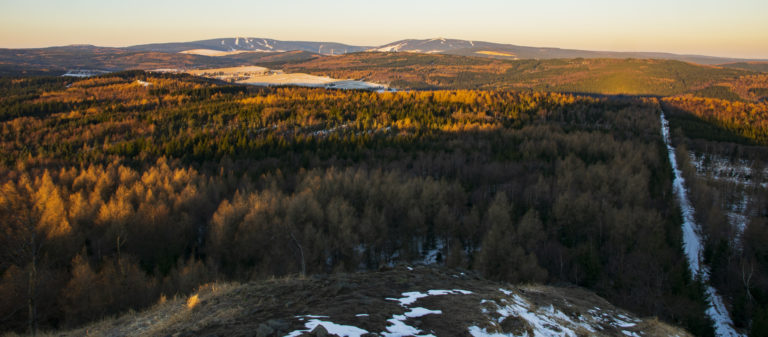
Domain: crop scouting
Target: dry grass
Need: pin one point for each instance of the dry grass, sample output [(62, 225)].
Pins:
[(193, 301), (225, 309), (167, 315), (228, 71), (495, 53), (293, 78)]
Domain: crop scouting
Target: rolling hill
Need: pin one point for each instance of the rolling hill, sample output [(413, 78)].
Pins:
[(409, 64), (755, 65), (439, 71), (58, 60), (403, 301)]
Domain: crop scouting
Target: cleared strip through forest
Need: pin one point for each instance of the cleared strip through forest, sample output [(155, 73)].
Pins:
[(693, 243)]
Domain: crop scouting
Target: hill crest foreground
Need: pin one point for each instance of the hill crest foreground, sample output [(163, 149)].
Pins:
[(400, 301)]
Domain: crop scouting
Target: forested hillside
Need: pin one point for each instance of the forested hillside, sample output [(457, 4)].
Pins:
[(116, 192), (601, 76)]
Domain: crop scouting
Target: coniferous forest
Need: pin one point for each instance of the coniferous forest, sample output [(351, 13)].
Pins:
[(116, 193)]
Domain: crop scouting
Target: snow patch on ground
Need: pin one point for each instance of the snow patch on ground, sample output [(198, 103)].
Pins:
[(333, 328), (302, 317), (546, 321), (326, 132), (478, 332), (723, 168), (615, 320), (412, 296), (449, 292), (408, 298), (719, 314), (419, 311), (397, 326)]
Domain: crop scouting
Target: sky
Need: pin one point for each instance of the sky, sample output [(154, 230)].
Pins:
[(732, 28)]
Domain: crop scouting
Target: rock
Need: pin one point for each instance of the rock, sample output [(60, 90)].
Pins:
[(279, 324), (319, 331), (264, 330), (184, 334), (341, 288), (516, 326)]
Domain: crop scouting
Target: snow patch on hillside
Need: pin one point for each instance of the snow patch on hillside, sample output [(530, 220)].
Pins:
[(745, 178), (392, 48), (212, 52), (84, 73)]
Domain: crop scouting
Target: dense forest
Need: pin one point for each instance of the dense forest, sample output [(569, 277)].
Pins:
[(121, 189)]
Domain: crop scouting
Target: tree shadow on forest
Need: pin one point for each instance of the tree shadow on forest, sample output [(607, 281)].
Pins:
[(695, 127)]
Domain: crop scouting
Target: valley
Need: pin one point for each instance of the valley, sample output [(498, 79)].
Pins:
[(549, 191), (189, 180)]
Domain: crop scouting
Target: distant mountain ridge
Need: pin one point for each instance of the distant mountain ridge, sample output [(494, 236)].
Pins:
[(231, 52), (510, 51), (431, 46), (252, 44)]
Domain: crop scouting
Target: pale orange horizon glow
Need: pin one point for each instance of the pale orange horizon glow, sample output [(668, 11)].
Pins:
[(736, 29)]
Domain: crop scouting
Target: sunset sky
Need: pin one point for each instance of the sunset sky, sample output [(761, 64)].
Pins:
[(736, 28)]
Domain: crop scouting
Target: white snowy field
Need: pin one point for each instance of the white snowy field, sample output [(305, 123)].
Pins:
[(260, 76), (307, 80)]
